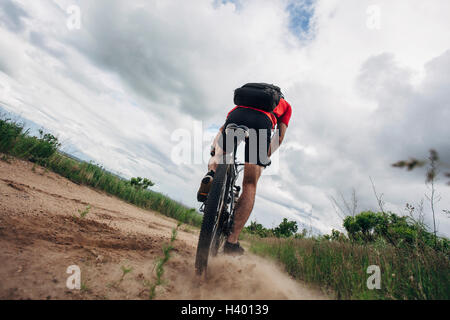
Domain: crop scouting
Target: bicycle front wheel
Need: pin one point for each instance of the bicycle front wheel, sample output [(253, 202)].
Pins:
[(211, 217)]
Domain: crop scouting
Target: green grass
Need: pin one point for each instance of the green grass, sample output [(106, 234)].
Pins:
[(125, 271), (17, 142), (84, 288), (84, 212), (341, 267), (161, 262)]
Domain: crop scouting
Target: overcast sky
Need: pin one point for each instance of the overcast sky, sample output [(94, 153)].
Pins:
[(368, 82)]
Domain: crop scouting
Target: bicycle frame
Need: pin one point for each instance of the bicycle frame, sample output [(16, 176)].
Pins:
[(219, 208), (234, 168)]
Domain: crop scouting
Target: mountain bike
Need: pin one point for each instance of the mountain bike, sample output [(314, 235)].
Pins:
[(219, 207)]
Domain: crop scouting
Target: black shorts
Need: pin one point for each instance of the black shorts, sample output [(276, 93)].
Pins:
[(257, 145)]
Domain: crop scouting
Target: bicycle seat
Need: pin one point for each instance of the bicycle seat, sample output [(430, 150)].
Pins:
[(233, 128)]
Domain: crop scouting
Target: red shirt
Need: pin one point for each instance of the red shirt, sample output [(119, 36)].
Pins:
[(283, 112)]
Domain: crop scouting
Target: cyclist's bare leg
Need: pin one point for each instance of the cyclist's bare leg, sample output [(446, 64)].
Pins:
[(215, 160), (244, 207)]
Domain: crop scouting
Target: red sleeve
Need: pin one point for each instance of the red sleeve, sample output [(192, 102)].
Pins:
[(286, 116)]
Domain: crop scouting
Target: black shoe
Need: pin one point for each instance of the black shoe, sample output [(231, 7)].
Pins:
[(205, 186), (233, 249)]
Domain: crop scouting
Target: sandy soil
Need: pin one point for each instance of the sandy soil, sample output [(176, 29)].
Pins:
[(41, 235)]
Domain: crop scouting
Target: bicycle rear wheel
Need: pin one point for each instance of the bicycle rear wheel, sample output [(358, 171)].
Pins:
[(211, 217), (220, 236)]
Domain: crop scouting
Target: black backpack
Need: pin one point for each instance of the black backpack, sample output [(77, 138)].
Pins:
[(258, 95)]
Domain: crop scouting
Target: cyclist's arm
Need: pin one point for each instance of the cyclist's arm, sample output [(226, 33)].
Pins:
[(274, 144)]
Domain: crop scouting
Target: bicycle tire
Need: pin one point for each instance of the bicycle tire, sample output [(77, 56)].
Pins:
[(219, 238), (209, 217)]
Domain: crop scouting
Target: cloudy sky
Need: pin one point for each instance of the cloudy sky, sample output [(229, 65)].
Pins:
[(130, 82)]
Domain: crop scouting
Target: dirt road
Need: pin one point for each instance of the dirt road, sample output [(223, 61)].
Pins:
[(42, 234)]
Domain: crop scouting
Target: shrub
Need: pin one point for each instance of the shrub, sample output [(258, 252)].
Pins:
[(286, 229), (368, 226)]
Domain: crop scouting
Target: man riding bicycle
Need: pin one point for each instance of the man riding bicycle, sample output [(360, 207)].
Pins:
[(262, 121)]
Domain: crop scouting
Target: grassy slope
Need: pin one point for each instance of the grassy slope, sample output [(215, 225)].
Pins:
[(420, 273), (15, 141)]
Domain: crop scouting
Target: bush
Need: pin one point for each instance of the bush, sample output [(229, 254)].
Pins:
[(286, 229), (140, 183), (369, 226), (9, 132), (258, 230), (17, 142)]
